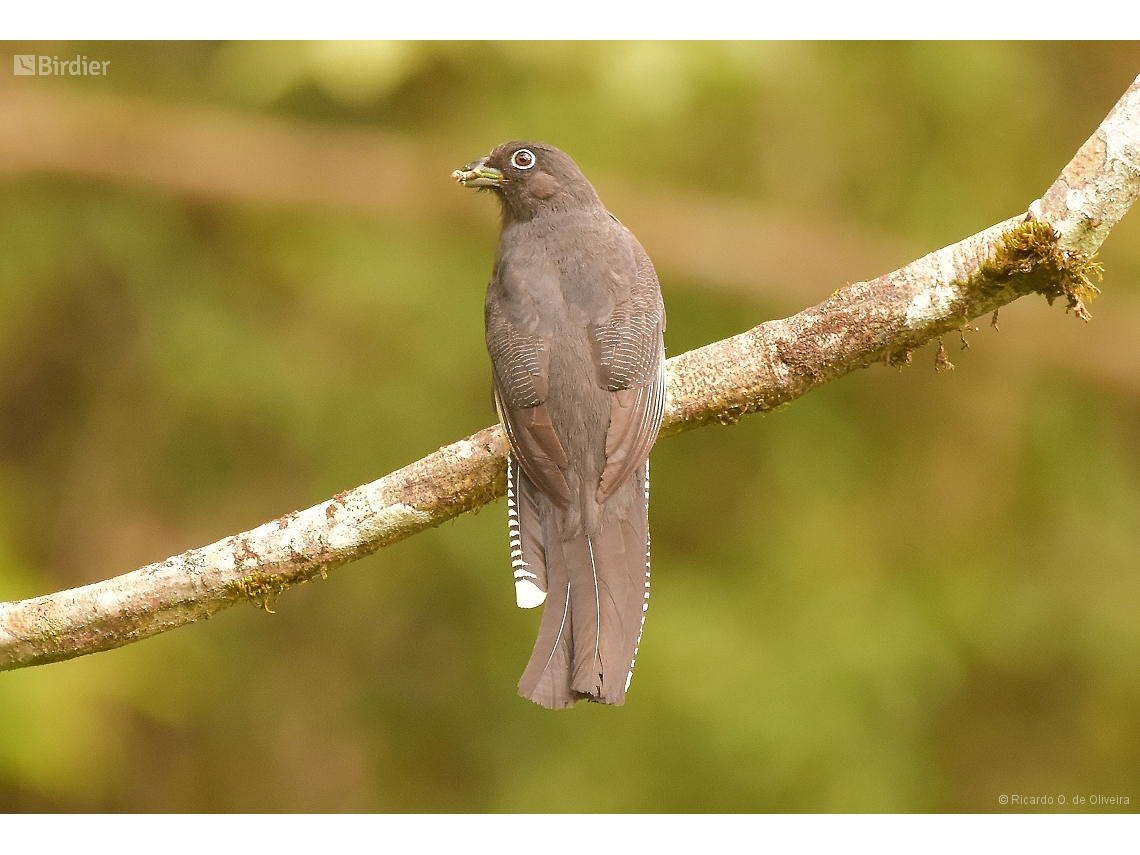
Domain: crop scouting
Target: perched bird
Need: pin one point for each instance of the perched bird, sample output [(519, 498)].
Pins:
[(575, 327)]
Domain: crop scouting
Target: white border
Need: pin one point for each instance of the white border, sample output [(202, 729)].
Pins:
[(569, 19)]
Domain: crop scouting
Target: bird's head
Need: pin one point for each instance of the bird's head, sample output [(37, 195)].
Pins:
[(529, 177)]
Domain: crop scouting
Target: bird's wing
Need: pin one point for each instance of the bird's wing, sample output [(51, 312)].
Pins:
[(520, 377), (629, 354)]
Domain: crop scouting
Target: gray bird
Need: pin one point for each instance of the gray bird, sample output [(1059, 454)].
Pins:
[(575, 327)]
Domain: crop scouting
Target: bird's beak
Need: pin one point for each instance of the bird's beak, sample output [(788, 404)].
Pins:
[(478, 174)]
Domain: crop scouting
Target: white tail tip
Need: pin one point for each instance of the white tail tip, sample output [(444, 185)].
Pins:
[(528, 595)]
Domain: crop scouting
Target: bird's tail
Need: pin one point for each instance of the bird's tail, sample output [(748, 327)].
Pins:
[(596, 592)]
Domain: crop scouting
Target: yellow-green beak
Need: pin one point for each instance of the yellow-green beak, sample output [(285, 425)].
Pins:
[(478, 174)]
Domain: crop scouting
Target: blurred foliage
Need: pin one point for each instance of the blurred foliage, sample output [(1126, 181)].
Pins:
[(905, 592)]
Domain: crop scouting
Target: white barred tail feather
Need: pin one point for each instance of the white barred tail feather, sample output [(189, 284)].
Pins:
[(528, 559), (645, 605)]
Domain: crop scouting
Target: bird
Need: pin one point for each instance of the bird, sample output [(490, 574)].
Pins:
[(575, 328)]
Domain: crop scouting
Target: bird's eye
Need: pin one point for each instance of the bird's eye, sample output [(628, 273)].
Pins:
[(523, 159)]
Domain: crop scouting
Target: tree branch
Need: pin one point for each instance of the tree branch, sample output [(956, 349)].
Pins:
[(1048, 251)]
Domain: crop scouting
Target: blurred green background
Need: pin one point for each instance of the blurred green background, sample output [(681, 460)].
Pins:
[(236, 278)]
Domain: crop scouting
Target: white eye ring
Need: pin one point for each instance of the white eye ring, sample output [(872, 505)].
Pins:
[(528, 153)]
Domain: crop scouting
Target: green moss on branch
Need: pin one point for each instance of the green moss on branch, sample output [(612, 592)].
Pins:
[(1033, 250)]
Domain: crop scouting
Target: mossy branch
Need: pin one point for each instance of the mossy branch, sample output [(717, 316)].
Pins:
[(1049, 251)]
